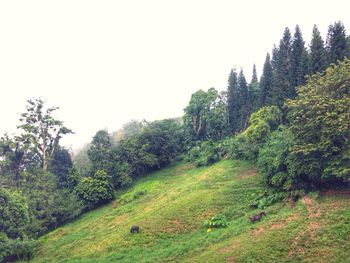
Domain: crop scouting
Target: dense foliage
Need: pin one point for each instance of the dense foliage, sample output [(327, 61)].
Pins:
[(320, 124), (96, 190), (14, 214), (272, 159)]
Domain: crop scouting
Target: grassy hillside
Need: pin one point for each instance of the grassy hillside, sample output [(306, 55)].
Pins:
[(170, 207)]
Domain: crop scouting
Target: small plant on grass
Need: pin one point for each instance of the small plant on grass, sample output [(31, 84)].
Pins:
[(266, 199), (217, 221)]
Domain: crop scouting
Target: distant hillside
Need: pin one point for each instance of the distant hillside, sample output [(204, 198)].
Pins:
[(171, 205)]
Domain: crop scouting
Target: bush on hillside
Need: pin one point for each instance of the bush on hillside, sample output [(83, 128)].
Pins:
[(272, 160), (15, 249), (216, 221), (205, 153), (96, 190)]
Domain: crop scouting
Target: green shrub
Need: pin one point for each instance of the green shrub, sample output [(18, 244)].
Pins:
[(96, 190), (272, 160), (266, 199), (21, 249), (242, 149), (14, 213), (4, 246), (15, 249), (216, 221), (205, 153)]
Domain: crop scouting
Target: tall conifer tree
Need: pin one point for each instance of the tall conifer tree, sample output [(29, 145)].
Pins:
[(337, 44), (266, 83), (254, 92), (255, 75), (318, 54), (283, 87), (243, 101), (232, 101), (298, 59)]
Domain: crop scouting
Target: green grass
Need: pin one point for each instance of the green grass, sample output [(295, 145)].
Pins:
[(171, 205)]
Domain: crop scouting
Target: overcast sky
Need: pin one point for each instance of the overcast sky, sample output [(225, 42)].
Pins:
[(106, 62)]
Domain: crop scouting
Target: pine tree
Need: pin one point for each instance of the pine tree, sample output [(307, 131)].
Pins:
[(337, 44), (348, 51), (232, 101), (318, 54), (299, 67), (255, 75), (282, 87), (254, 92), (243, 101), (266, 82), (274, 57)]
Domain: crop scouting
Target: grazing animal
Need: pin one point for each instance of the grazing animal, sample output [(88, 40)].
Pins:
[(257, 217), (135, 229)]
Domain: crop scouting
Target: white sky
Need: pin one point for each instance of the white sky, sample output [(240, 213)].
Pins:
[(106, 62)]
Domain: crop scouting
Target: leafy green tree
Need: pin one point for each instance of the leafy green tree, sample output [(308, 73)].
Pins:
[(12, 163), (204, 113), (320, 124), (299, 59), (100, 152), (217, 119), (318, 53), (96, 190), (337, 44), (163, 139), (14, 214), (262, 122), (41, 131), (266, 83)]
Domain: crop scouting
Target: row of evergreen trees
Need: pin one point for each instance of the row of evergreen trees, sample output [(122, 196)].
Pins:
[(287, 68)]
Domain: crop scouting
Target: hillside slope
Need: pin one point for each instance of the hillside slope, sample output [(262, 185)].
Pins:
[(170, 207)]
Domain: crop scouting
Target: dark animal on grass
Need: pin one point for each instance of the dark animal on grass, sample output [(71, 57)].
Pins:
[(257, 217), (134, 229)]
